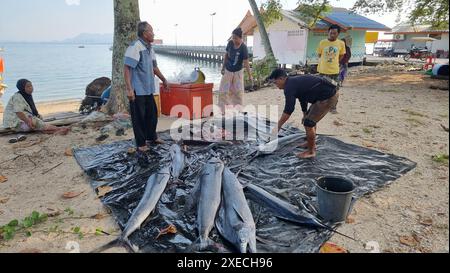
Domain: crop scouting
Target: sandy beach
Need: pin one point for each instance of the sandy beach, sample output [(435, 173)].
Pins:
[(396, 113)]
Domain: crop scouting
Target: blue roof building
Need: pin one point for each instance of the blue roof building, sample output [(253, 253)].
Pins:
[(294, 42)]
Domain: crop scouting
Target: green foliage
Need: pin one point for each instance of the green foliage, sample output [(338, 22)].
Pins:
[(261, 69), (29, 224), (367, 131), (69, 211), (8, 231), (77, 230), (426, 12), (99, 232), (431, 12), (272, 12), (442, 159), (313, 10)]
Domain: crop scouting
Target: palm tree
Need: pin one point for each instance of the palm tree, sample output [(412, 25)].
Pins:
[(126, 18), (262, 30)]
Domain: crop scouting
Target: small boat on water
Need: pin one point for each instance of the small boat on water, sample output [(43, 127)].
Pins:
[(82, 46)]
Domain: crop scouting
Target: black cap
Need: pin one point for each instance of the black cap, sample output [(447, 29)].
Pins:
[(278, 73)]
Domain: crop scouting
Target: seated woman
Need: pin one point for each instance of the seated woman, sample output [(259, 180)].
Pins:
[(21, 114)]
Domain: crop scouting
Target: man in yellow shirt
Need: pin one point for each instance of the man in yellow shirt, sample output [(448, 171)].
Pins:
[(330, 52)]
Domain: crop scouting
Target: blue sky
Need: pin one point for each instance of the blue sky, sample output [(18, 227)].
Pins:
[(48, 20), (45, 20)]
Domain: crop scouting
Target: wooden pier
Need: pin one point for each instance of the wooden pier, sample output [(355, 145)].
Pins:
[(206, 53)]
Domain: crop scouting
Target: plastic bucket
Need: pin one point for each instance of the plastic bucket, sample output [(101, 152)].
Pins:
[(335, 198)]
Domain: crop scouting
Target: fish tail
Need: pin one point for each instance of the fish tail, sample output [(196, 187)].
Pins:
[(107, 246), (252, 246), (118, 242), (129, 246), (203, 245)]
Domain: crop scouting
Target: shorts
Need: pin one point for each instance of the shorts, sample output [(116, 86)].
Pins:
[(320, 109)]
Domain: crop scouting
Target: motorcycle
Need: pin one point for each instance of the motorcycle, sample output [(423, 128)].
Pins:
[(416, 53)]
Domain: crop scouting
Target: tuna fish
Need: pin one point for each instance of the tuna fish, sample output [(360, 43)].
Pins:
[(286, 211), (178, 161), (208, 189), (156, 185), (273, 146), (235, 220), (281, 208)]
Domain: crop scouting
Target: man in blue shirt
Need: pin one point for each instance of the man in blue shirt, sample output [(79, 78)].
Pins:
[(140, 70)]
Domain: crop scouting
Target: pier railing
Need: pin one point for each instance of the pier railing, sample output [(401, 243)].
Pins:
[(208, 53)]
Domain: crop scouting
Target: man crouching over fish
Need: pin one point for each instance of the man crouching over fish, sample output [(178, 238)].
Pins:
[(318, 91)]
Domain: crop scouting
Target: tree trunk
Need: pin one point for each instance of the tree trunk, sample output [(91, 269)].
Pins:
[(262, 30), (126, 18)]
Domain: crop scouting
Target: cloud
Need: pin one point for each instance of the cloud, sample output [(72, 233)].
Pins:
[(73, 2)]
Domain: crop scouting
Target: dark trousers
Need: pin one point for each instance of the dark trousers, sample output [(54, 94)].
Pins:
[(144, 115)]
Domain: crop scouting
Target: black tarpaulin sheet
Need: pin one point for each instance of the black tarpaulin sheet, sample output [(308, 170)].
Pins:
[(281, 173)]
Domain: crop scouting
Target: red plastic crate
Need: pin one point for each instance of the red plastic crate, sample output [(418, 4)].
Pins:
[(193, 98)]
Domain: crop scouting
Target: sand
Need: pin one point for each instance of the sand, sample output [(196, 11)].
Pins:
[(396, 113)]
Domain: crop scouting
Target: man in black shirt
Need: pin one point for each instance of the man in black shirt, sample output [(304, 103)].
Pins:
[(318, 91)]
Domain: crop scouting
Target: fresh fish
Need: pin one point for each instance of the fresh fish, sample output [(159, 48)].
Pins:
[(235, 221), (281, 208), (273, 146), (208, 189), (178, 161), (156, 185), (286, 211)]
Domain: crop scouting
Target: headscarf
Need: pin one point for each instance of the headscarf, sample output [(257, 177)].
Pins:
[(28, 98)]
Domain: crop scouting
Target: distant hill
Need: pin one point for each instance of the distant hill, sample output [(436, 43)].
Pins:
[(90, 38)]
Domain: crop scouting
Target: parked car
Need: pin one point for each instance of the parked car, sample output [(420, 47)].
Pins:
[(384, 52)]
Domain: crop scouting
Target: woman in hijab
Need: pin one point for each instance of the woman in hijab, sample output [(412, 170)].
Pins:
[(232, 84), (21, 114)]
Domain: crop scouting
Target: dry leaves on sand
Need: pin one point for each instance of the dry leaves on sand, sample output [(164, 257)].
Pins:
[(3, 179), (170, 230), (426, 221), (103, 191), (350, 220), (332, 248), (68, 152), (368, 144), (100, 216), (72, 194), (409, 241), (338, 124)]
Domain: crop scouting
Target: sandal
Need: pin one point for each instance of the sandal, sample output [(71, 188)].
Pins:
[(17, 139)]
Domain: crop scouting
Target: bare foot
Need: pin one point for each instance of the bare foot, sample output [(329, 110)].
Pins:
[(159, 142), (143, 149), (64, 131), (303, 145), (307, 155)]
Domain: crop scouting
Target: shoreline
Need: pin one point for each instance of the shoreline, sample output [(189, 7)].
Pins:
[(53, 107)]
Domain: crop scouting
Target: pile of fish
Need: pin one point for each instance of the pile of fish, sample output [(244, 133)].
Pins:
[(220, 202)]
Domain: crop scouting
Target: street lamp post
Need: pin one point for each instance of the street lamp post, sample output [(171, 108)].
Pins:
[(212, 27), (176, 38)]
